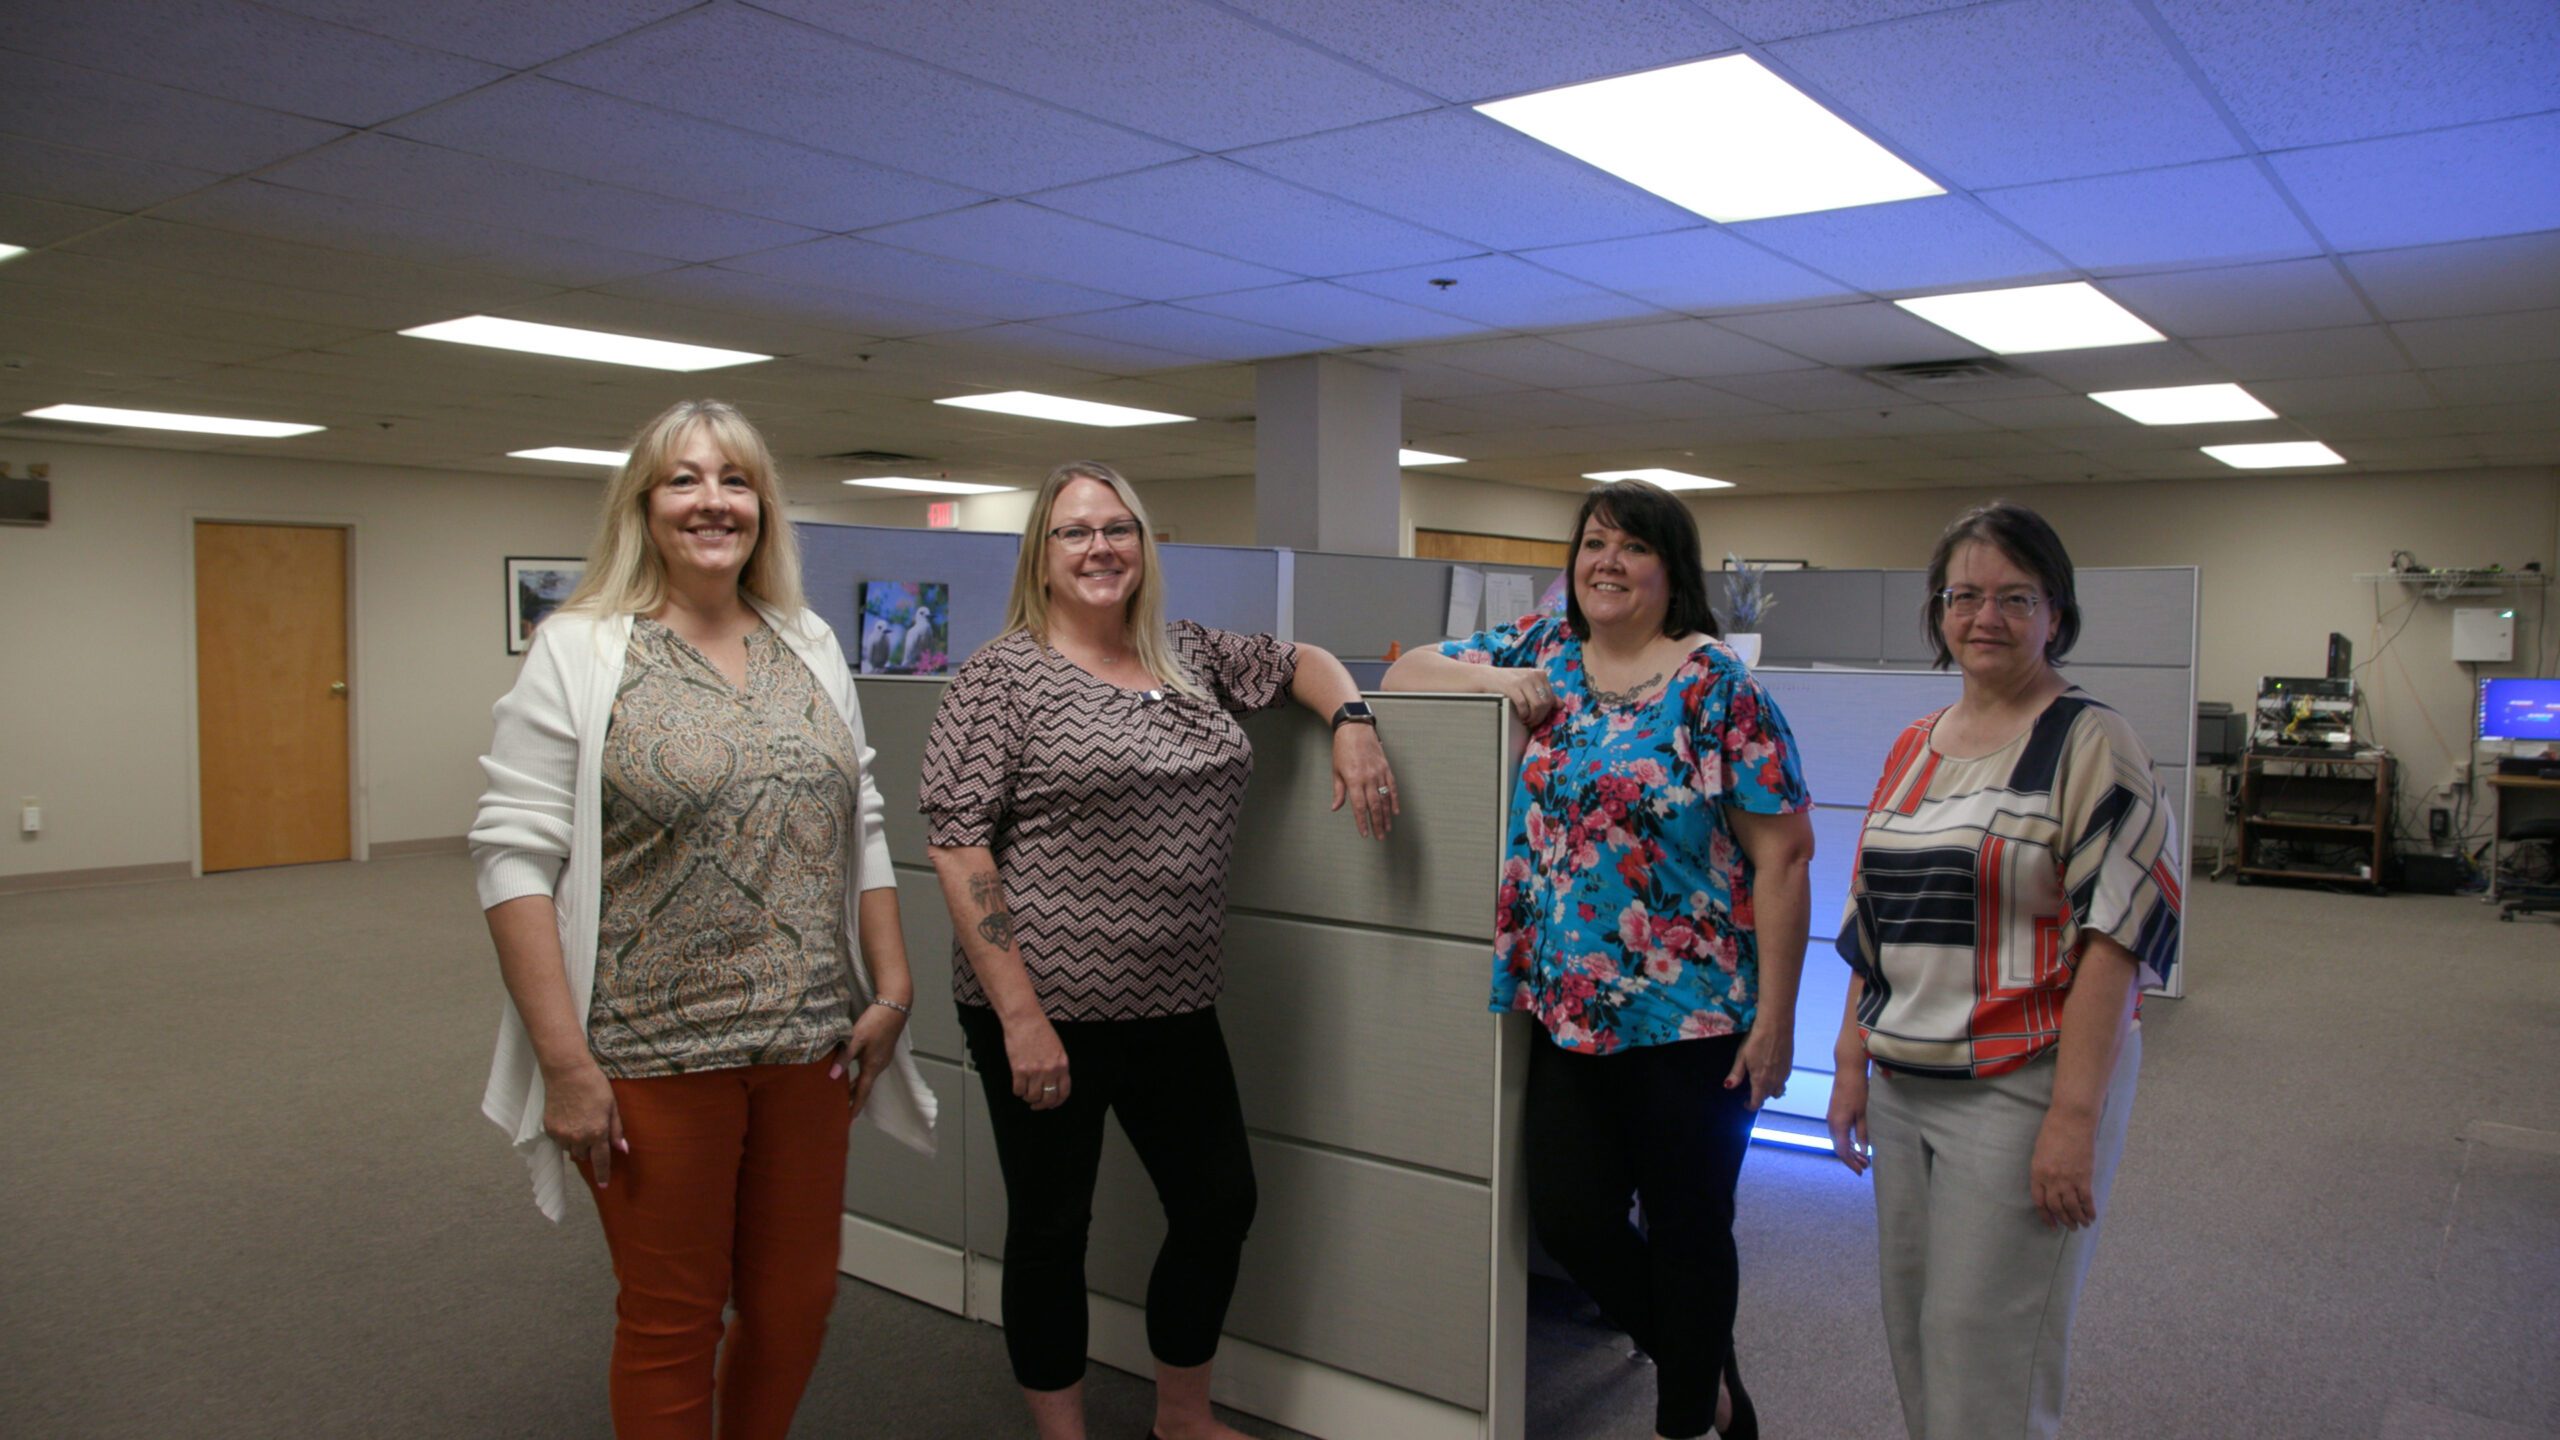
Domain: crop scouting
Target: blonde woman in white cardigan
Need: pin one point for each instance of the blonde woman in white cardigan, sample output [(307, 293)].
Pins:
[(682, 858)]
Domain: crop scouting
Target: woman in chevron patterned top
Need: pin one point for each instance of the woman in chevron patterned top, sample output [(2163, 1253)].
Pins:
[(1081, 786), (2016, 885), (682, 858)]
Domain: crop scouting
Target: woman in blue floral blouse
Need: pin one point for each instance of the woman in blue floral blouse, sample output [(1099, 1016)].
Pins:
[(1652, 917)]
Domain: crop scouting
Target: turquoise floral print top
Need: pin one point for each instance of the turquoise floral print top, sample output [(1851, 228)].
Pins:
[(1625, 907)]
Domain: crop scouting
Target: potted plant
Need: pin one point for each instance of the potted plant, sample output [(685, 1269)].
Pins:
[(1747, 602)]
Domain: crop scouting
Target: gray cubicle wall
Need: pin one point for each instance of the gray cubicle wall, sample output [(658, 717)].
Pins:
[(1357, 605), (1384, 1289)]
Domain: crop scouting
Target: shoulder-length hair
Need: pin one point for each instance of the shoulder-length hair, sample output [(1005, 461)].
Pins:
[(1650, 514), (1028, 607), (625, 575), (2022, 535)]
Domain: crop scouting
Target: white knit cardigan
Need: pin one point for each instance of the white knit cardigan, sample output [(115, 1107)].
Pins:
[(540, 827)]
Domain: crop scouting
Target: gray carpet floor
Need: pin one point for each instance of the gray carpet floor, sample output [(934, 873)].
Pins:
[(244, 1192)]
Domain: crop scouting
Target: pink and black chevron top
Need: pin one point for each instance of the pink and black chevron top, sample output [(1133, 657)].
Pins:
[(1110, 814)]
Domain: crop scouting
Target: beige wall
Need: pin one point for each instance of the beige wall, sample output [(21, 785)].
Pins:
[(95, 710)]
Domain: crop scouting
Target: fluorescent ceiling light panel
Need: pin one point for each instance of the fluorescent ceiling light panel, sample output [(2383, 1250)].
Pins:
[(159, 420), (931, 487), (1425, 457), (2184, 404), (12, 252), (572, 455), (2033, 318), (572, 344), (2280, 455), (1723, 137), (1036, 406), (1667, 479)]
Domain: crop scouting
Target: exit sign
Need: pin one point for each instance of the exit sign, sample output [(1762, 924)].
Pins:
[(942, 515)]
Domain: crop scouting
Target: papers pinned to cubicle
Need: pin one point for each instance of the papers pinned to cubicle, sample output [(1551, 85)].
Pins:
[(1508, 595), (1466, 600)]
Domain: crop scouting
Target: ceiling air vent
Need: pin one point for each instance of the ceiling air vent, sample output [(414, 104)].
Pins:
[(873, 457), (1941, 372)]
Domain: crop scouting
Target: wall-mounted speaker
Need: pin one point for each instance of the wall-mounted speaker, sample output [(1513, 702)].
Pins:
[(25, 502)]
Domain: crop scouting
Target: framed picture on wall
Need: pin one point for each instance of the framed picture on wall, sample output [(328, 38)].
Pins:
[(906, 628), (536, 584)]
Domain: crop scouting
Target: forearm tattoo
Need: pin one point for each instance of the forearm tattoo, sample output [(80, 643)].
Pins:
[(996, 925)]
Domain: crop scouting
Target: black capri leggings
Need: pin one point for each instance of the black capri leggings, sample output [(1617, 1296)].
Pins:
[(1170, 1082)]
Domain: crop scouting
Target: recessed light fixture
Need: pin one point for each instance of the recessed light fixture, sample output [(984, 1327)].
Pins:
[(572, 344), (2184, 404), (161, 420), (1036, 406), (1723, 137), (1425, 457), (1667, 479), (2032, 318), (12, 252), (932, 487), (572, 455), (2278, 455)]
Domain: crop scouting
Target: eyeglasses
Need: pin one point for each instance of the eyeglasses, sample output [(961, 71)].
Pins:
[(1119, 534), (2016, 604)]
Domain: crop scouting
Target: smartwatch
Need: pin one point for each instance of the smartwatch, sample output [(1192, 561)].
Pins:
[(1356, 712)]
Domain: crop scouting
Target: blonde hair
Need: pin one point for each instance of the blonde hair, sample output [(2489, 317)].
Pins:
[(1028, 609), (625, 576)]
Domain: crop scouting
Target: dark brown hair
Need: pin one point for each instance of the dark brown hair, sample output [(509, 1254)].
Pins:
[(1648, 513), (2023, 536)]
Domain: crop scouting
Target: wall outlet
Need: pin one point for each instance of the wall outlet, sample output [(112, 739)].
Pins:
[(2461, 772), (30, 816)]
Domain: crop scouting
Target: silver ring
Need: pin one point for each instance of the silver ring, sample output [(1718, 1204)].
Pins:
[(1045, 1089), (1386, 789)]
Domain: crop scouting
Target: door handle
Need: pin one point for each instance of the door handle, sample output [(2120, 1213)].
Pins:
[(338, 687)]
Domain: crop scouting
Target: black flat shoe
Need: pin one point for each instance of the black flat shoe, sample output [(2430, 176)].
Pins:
[(1745, 1424)]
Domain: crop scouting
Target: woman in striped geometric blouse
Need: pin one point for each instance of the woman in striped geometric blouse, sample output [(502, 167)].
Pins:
[(2016, 886)]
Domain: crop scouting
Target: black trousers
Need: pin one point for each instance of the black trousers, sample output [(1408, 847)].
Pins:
[(1171, 1084), (1653, 1123)]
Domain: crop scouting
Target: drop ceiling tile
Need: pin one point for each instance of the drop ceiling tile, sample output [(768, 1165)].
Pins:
[(1189, 332), (716, 288), (1458, 172), (1217, 205), (1472, 50), (223, 255), (1674, 399), (1989, 446), (1690, 349), (1703, 268), (1091, 352), (2344, 394), (2475, 277), (515, 36), (2123, 367), (2305, 354), (244, 52), (2496, 384), (550, 126), (1766, 20), (2482, 339), (1191, 73), (1017, 236), (2456, 450), (965, 362), (1870, 333), (1346, 317), (1811, 390), (1425, 380), (2541, 447), (2242, 300), (1516, 408), (120, 183), (91, 110), (2103, 439), (1907, 245), (1500, 292), (2315, 72), (1903, 418), (2501, 178), (2041, 412), (2080, 89), (33, 224), (1528, 360), (401, 172), (254, 207), (2221, 211), (2018, 386), (152, 284), (874, 269), (623, 315), (743, 67), (114, 352)]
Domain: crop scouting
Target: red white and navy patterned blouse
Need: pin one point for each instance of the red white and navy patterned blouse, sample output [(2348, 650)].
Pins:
[(1625, 907), (1111, 814), (1979, 882)]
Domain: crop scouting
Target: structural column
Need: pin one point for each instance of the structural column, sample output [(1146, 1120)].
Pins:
[(1326, 431)]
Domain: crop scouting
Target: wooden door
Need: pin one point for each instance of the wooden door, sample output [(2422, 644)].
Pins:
[(271, 694), (1472, 549)]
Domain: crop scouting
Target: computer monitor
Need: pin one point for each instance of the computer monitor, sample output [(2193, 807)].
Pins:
[(2520, 710)]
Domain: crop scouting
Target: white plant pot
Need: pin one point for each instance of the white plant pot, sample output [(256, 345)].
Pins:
[(1746, 645)]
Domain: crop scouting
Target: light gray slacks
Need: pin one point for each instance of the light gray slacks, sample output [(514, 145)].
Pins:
[(1978, 1293)]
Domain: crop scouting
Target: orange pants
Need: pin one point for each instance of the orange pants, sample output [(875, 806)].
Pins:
[(732, 1193)]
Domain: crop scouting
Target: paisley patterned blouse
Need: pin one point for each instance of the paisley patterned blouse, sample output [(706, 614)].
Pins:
[(726, 816), (1625, 907)]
